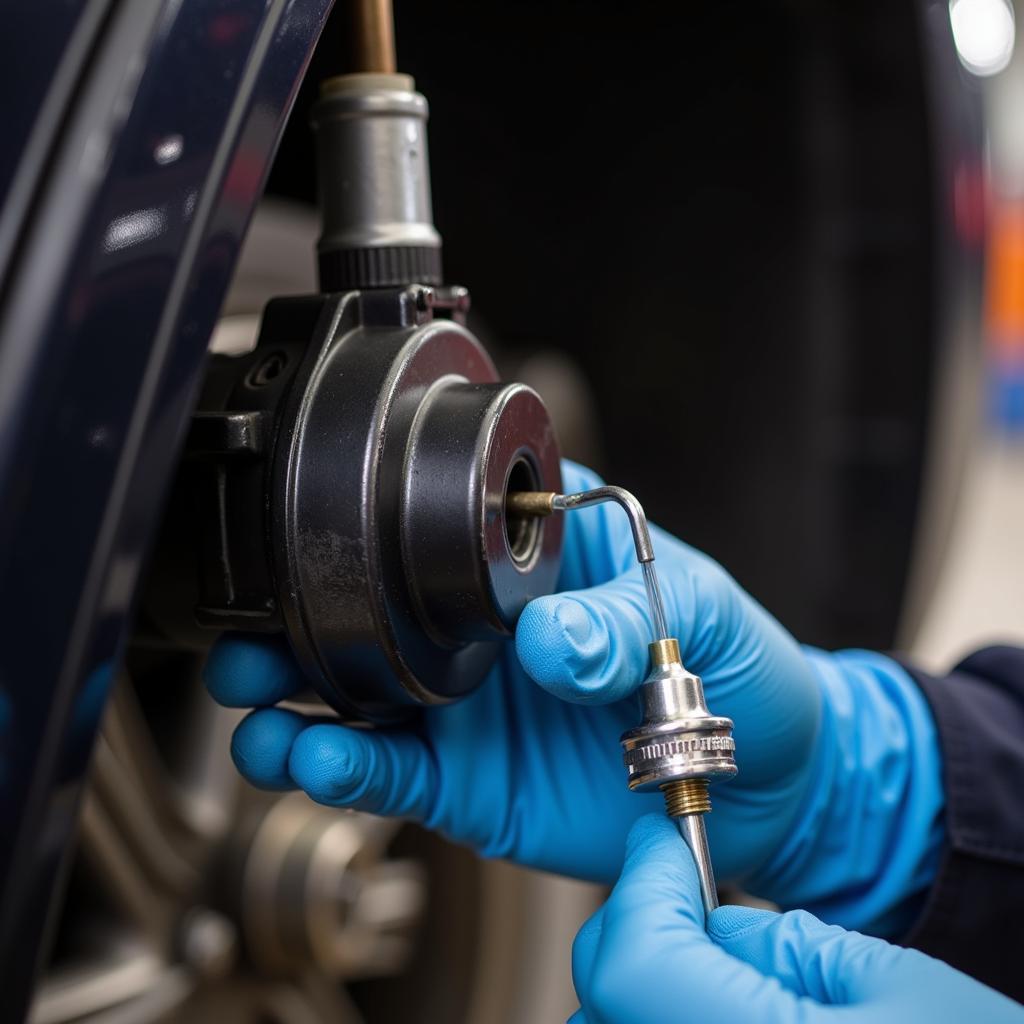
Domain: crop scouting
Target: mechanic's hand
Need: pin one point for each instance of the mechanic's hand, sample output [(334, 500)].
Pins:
[(644, 957), (838, 781)]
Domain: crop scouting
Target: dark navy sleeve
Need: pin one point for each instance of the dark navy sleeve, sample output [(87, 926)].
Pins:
[(973, 917)]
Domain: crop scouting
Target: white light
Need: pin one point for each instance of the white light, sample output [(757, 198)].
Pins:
[(168, 149), (983, 31), (133, 228)]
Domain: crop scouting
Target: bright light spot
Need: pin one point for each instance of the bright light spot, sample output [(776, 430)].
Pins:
[(168, 149), (132, 228), (983, 31)]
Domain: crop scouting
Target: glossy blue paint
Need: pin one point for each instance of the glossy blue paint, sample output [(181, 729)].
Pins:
[(122, 262), (43, 50)]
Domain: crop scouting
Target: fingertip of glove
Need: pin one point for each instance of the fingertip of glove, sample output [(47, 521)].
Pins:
[(563, 647), (261, 745), (329, 762), (729, 921), (242, 672), (659, 871), (557, 621), (649, 832)]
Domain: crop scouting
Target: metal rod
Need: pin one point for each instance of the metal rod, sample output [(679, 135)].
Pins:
[(373, 45), (691, 828), (686, 799), (633, 509), (529, 503), (542, 503), (654, 600)]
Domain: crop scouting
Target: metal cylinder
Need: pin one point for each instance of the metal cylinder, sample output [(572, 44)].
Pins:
[(691, 828), (679, 748), (678, 738), (397, 570), (373, 36), (374, 184), (318, 888), (471, 570)]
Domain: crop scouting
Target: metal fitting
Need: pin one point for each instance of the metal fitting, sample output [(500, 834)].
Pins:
[(312, 887), (678, 738), (679, 746), (374, 181)]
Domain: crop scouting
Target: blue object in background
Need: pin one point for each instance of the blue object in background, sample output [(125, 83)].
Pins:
[(1005, 391)]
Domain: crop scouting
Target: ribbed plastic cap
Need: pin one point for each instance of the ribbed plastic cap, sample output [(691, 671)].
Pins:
[(379, 267)]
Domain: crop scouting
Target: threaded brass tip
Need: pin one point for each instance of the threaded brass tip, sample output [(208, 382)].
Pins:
[(687, 796)]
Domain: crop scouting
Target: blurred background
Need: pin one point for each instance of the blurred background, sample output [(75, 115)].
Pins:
[(780, 243), (979, 595)]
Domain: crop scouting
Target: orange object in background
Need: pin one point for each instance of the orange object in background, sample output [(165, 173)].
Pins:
[(1004, 313), (1004, 286)]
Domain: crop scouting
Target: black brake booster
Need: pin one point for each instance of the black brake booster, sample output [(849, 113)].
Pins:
[(344, 483)]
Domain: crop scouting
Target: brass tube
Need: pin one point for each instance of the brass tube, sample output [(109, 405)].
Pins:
[(529, 503), (373, 26), (665, 652)]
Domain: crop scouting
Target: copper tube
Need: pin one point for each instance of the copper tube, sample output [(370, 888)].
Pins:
[(373, 27)]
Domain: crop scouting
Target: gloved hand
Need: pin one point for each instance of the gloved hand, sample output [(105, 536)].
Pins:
[(645, 957), (838, 790)]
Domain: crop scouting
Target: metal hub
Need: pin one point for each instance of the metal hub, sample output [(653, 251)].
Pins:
[(186, 879), (396, 577)]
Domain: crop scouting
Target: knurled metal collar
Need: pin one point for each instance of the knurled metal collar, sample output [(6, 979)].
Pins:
[(678, 738)]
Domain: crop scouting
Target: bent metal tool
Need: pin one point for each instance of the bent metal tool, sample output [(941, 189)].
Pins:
[(679, 746)]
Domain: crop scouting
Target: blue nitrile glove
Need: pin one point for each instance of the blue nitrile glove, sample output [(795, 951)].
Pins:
[(645, 958), (838, 794)]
